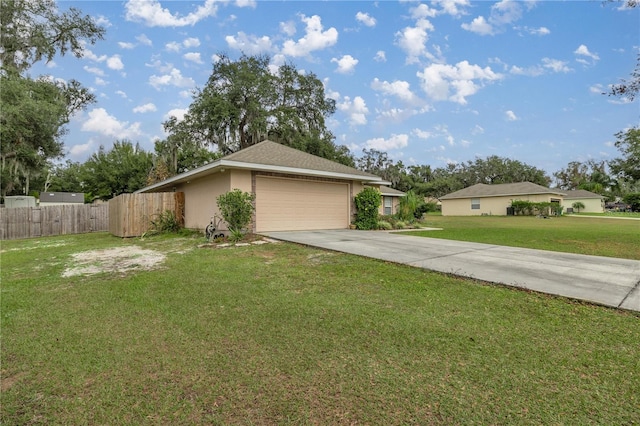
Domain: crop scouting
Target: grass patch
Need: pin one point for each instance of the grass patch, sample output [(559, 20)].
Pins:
[(593, 236), (286, 334)]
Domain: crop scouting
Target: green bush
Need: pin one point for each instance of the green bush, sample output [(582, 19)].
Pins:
[(384, 225), (578, 205), (633, 199), (166, 222), (409, 204), (236, 208), (367, 203)]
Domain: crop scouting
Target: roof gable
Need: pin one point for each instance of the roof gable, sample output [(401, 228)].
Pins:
[(500, 190)]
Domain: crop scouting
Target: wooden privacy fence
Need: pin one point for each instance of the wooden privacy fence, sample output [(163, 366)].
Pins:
[(130, 215), (31, 222)]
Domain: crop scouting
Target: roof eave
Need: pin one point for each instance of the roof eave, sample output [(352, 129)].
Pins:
[(220, 164)]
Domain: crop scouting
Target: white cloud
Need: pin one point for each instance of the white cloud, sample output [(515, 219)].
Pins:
[(81, 150), (126, 45), (452, 7), (289, 28), (314, 39), (346, 64), (102, 21), (479, 26), (511, 116), (152, 14), (100, 121), (598, 89), (502, 14), (555, 65), (94, 70), (193, 57), (246, 3), (115, 63), (149, 107), (178, 113), (356, 110), (191, 42), (100, 81), (422, 134), (439, 80), (398, 88), (143, 39), (174, 78), (583, 52), (173, 46), (413, 40), (394, 142), (249, 44), (122, 94), (477, 130), (366, 19), (542, 31), (380, 56)]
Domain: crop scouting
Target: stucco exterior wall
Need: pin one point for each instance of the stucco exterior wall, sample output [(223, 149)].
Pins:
[(200, 198), (591, 205), (489, 205)]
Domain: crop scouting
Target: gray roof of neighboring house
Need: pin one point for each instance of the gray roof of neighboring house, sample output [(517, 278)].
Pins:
[(390, 192), (581, 193), (273, 157), (501, 190)]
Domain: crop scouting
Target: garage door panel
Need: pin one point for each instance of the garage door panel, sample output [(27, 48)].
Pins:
[(290, 204)]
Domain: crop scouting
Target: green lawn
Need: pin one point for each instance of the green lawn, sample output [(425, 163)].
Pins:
[(594, 236), (286, 334)]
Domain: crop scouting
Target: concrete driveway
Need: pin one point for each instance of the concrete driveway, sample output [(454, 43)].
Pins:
[(603, 280)]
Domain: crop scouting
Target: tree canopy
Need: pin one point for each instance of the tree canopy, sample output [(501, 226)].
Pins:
[(35, 111), (247, 101)]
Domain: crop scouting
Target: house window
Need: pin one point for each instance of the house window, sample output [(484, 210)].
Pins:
[(388, 205), (475, 204)]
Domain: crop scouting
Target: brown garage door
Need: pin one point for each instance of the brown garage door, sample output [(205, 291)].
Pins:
[(293, 204)]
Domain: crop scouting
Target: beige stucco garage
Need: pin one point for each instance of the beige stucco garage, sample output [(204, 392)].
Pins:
[(293, 190)]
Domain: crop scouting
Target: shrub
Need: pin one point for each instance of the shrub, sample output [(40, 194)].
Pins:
[(236, 208), (633, 199), (400, 224), (166, 222), (408, 206), (578, 205), (384, 225), (367, 203)]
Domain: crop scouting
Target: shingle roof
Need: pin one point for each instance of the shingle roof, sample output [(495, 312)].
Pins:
[(581, 193), (274, 157), (504, 189), (274, 154), (385, 190)]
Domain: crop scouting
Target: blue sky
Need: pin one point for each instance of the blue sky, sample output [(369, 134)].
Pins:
[(429, 83)]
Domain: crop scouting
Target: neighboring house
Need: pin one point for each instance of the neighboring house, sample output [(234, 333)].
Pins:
[(390, 200), (293, 190), (483, 199), (593, 203), (61, 198)]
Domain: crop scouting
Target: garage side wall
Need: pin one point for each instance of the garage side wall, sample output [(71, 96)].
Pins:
[(200, 198)]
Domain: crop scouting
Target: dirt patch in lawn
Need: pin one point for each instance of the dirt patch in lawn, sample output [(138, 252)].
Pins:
[(115, 260)]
